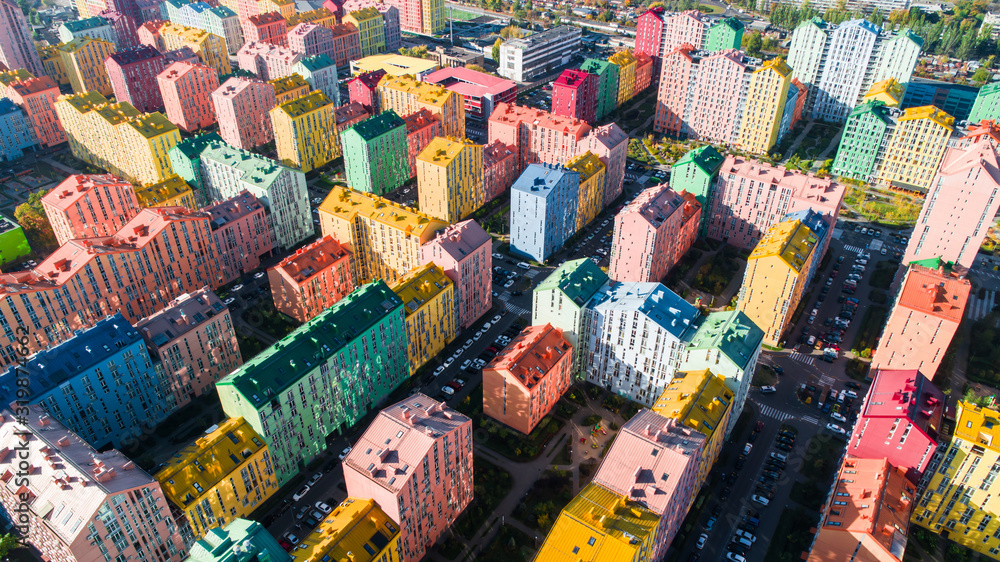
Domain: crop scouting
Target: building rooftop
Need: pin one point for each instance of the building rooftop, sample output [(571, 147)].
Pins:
[(791, 241), (241, 540), (539, 180), (370, 79), (441, 151), (697, 399), (543, 37), (233, 209), (288, 83), (935, 292), (177, 70), (80, 43), (812, 220), (595, 66), (313, 63), (320, 14), (349, 112), (152, 125), (469, 82), (571, 78), (344, 29), (185, 313), (622, 58), (419, 120), (578, 279), (654, 301), (532, 354), (394, 65), (257, 169), (431, 94), (310, 260), (67, 193), (586, 164), (655, 204), (929, 112), (888, 91), (159, 193), (376, 126), (905, 394), (190, 34), (803, 186), (347, 203), (265, 18), (732, 332), (193, 147), (84, 24), (8, 77), (314, 101), (135, 55), (507, 113), (461, 239), (352, 531), (707, 158), (420, 286)]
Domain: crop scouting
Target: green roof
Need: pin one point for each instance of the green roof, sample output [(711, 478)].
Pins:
[(316, 62), (88, 23), (732, 332), (250, 536), (989, 89), (934, 263), (374, 127), (578, 280), (875, 107), (283, 364), (595, 66), (705, 157), (732, 23), (193, 147)]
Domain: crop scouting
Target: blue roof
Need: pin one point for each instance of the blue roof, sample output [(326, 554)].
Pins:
[(813, 220), (540, 179), (658, 303), (7, 106)]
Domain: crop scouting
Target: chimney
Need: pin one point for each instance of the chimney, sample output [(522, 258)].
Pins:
[(63, 441)]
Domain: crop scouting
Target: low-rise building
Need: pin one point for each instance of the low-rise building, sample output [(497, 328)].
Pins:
[(527, 58), (652, 234), (428, 296), (480, 92), (394, 65), (312, 279), (463, 251), (354, 524)]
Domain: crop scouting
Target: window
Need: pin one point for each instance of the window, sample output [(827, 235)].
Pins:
[(591, 541)]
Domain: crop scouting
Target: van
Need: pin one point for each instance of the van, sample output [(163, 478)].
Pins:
[(743, 540), (523, 265)]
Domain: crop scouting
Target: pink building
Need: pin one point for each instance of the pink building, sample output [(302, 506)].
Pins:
[(267, 61), (654, 462), (539, 136), (924, 318), (658, 33), (37, 98), (184, 54), (464, 252), (961, 204), (312, 279), (574, 94), (242, 230), (363, 89), (241, 107), (98, 495), (186, 90), (480, 92), (696, 94), (421, 128), (900, 419), (499, 169), (149, 34), (270, 28), (125, 28), (524, 382), (17, 47), (346, 44), (86, 206), (415, 461), (312, 39), (643, 72), (652, 233), (750, 196), (132, 73), (194, 339), (610, 144), (347, 115)]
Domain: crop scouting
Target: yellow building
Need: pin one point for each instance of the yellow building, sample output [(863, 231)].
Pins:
[(210, 48), (52, 62), (171, 192), (384, 237), (764, 107), (599, 525), (321, 16), (118, 138), (625, 61), (224, 475), (8, 77), (372, 27), (592, 172), (356, 530), (291, 87), (406, 95), (916, 147), (394, 65), (776, 275), (285, 7), (888, 91), (701, 401), (305, 132), (428, 296), (961, 498), (83, 59), (450, 178)]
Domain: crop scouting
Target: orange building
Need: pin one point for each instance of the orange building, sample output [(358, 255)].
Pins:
[(311, 280), (84, 206), (37, 97), (524, 382), (643, 71), (867, 516)]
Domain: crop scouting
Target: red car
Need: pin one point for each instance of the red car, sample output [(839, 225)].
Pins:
[(285, 545), (759, 427)]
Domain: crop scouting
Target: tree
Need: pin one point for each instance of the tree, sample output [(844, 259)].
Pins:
[(752, 44), (420, 52), (981, 76), (8, 542), (511, 32), (496, 50), (31, 217)]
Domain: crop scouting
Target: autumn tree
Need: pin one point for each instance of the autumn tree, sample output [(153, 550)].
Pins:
[(31, 217)]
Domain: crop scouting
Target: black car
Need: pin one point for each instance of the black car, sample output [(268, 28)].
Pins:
[(783, 448), (733, 477), (853, 385), (771, 474), (786, 433), (737, 548), (725, 493), (741, 461), (785, 442)]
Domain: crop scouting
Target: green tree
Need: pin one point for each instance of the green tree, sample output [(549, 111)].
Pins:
[(981, 76), (496, 50), (752, 43), (31, 217), (8, 543)]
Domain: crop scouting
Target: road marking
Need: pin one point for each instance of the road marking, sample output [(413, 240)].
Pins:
[(516, 309), (810, 419), (802, 358), (979, 308), (827, 380), (774, 413), (855, 249), (532, 273)]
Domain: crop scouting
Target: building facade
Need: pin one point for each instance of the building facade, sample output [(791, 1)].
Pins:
[(463, 251), (376, 153), (543, 210), (88, 206), (405, 95), (354, 522), (187, 91), (695, 173), (17, 48), (560, 300), (450, 178), (652, 234), (83, 58), (574, 94), (539, 136), (305, 132), (528, 58), (480, 92), (311, 280), (242, 107), (37, 98), (428, 296)]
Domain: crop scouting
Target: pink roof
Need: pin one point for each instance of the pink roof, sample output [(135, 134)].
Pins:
[(235, 85), (655, 204), (804, 186), (33, 85), (571, 78), (610, 135), (469, 82), (532, 354), (176, 71), (419, 120), (511, 114), (904, 393), (266, 18), (461, 239), (67, 193), (936, 293), (183, 314), (958, 160)]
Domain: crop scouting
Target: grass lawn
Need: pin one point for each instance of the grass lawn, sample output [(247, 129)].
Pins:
[(264, 316), (809, 494), (510, 545), (549, 494), (822, 453), (714, 275), (503, 440), (792, 535), (882, 276), (492, 484), (764, 376), (871, 329), (250, 346)]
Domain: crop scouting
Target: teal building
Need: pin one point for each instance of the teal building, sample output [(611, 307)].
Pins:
[(987, 104), (724, 34), (607, 85), (376, 156), (695, 173), (185, 159), (863, 135), (239, 541)]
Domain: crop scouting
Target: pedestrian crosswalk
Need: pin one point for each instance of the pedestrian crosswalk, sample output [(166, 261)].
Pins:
[(986, 273), (978, 308), (775, 413), (855, 249), (516, 309), (532, 273), (810, 419), (802, 358), (827, 380)]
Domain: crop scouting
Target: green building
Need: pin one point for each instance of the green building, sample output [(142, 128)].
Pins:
[(560, 300), (607, 85), (239, 541), (322, 378), (695, 173), (987, 104), (185, 158), (376, 157), (863, 135), (13, 243), (725, 34)]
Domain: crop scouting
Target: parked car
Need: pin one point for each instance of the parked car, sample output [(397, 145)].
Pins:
[(710, 523), (767, 389), (323, 508), (701, 541), (448, 391), (836, 429), (838, 417), (343, 454), (761, 500)]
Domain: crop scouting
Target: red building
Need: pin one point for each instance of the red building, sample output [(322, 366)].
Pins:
[(348, 115), (480, 92), (900, 420), (364, 89), (643, 71), (649, 34), (266, 28), (37, 98), (574, 94), (311, 280), (126, 29), (242, 230), (499, 169), (149, 34), (133, 77), (346, 44), (421, 128), (89, 206)]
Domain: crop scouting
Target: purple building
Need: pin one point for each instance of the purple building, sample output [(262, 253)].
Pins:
[(132, 73)]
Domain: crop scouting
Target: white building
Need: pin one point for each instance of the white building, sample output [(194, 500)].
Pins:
[(531, 57), (220, 21), (561, 298), (992, 19)]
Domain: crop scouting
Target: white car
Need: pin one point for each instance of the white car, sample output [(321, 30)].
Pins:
[(447, 363), (315, 478), (487, 325), (466, 364), (323, 507), (732, 556), (747, 448), (815, 312), (760, 499), (229, 301), (258, 275), (746, 535), (851, 393), (508, 284), (479, 363), (468, 344), (300, 494), (836, 429), (439, 370), (768, 389), (478, 335), (496, 319), (701, 541), (343, 454), (238, 287), (448, 391), (839, 417), (458, 353)]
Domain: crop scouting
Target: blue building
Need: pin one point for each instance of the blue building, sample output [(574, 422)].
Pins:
[(16, 133), (954, 99), (320, 72), (817, 224), (100, 383), (543, 210)]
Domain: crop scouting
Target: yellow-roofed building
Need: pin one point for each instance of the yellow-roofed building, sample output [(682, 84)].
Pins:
[(305, 132), (224, 475), (915, 149), (406, 95), (625, 61), (764, 107), (703, 402), (357, 530), (320, 16), (372, 27), (291, 87), (384, 238), (285, 7), (888, 91), (53, 64), (450, 178), (394, 65), (210, 48), (83, 60), (171, 192), (599, 525), (8, 77), (592, 172), (776, 276), (428, 297)]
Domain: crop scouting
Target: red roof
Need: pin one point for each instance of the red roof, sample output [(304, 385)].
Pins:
[(469, 82), (935, 292)]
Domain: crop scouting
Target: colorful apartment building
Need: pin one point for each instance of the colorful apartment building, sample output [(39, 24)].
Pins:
[(924, 317), (987, 104), (724, 34), (740, 210), (480, 92), (133, 73), (16, 132), (390, 19), (242, 106), (625, 62), (463, 251), (289, 88), (171, 192), (375, 154), (315, 379), (312, 39), (591, 198), (643, 72), (221, 477), (450, 178), (17, 47), (429, 298), (312, 279), (187, 91), (243, 225), (193, 338), (560, 300), (862, 141), (610, 144), (499, 169), (767, 91), (543, 203), (149, 34), (185, 159), (210, 48), (522, 384), (363, 89), (393, 461), (83, 59), (84, 487), (539, 136), (371, 28), (659, 32), (405, 95), (37, 98), (320, 72), (249, 538), (867, 514), (695, 173), (888, 91), (123, 27), (349, 115), (574, 94), (53, 65), (319, 16), (915, 148), (218, 20), (421, 128), (346, 44), (607, 85), (354, 525), (422, 17), (652, 234), (305, 132), (89, 206), (269, 27)]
